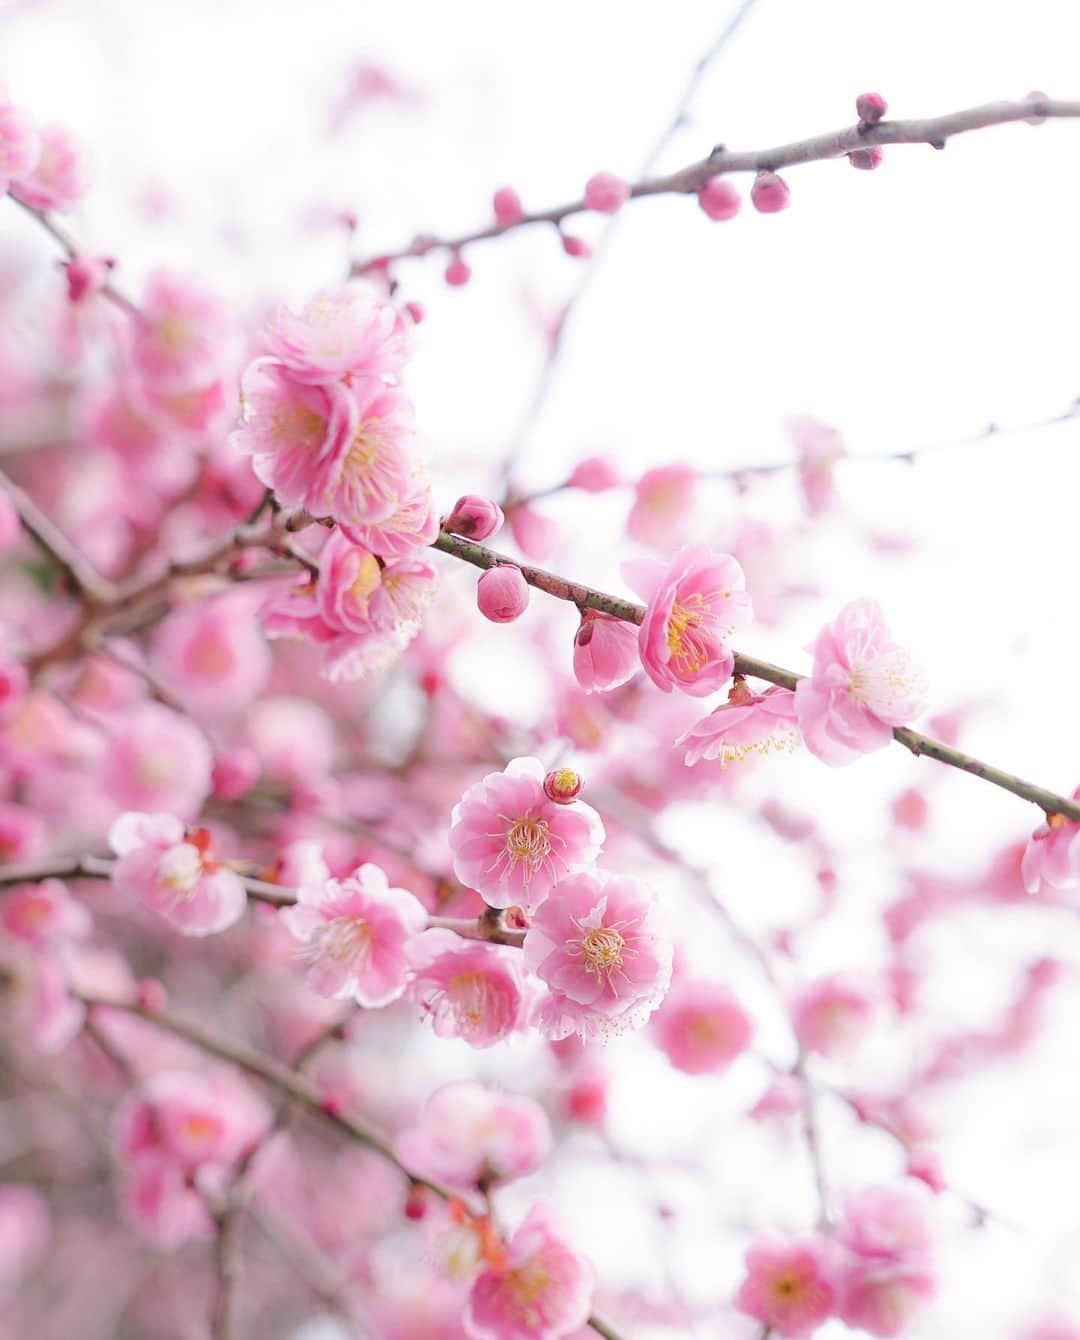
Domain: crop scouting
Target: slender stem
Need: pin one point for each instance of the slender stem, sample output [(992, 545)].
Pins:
[(586, 597), (72, 249), (935, 131), (84, 579)]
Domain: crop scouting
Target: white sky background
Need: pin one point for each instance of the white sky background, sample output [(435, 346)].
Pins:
[(904, 306)]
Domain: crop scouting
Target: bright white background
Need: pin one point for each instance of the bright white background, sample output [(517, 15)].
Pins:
[(907, 306)]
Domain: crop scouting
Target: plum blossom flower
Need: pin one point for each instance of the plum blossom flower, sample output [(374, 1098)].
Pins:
[(356, 593), (700, 1027), (541, 1290), (1052, 854), (887, 1270), (44, 1013), (58, 178), (413, 524), (819, 449), (353, 933), (210, 653), (663, 498), (44, 913), (790, 1286), (470, 989), (832, 1015), (158, 761), (861, 686), (696, 605), (748, 723), (178, 339), (170, 870), (338, 336), (20, 143), (467, 1134), (605, 652), (512, 844), (596, 944)]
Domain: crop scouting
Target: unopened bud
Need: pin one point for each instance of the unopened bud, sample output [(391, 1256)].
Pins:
[(867, 159), (576, 247), (457, 272), (870, 108), (475, 517), (770, 193), (719, 199), (507, 206)]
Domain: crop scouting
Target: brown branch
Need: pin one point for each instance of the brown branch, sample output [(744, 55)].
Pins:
[(85, 581), (935, 131), (586, 597), (72, 250)]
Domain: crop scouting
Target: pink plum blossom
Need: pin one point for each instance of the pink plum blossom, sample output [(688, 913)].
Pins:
[(887, 1272), (24, 1232), (339, 336), (696, 605), (413, 524), (20, 143), (353, 934), (158, 761), (357, 594), (44, 1013), (605, 652), (179, 336), (663, 499), (595, 474), (882, 1296), (596, 944), (467, 1134), (210, 653), (861, 686), (512, 844), (832, 1015), (790, 1286), (170, 870), (700, 1027), (1052, 854), (43, 914), (606, 193), (748, 723), (542, 1290), (470, 989), (58, 178), (819, 448)]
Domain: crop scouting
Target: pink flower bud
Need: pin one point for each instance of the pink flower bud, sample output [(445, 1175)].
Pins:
[(719, 199), (586, 1099), (151, 995), (870, 108), (770, 193), (502, 593), (867, 159), (457, 272), (417, 1202), (507, 206), (576, 247), (563, 785), (605, 193), (596, 474), (475, 517), (87, 275), (416, 312)]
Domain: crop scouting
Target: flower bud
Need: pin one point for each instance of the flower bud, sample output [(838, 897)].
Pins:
[(867, 159), (870, 108), (576, 247), (417, 1202), (595, 474), (502, 593), (457, 272), (86, 276), (605, 193), (416, 312), (719, 199), (475, 517), (507, 206), (770, 193), (563, 785)]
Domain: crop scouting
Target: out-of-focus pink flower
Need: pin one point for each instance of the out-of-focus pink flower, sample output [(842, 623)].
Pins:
[(466, 1135), (719, 199), (542, 1290), (819, 448), (20, 143), (783, 1097), (22, 833), (507, 207), (887, 1271), (833, 1015), (700, 1027), (172, 872), (597, 945), (696, 605), (748, 723), (339, 336), (534, 534), (211, 654), (881, 1296), (58, 179), (512, 844), (789, 1286), (861, 686), (14, 684), (158, 1200), (157, 761), (86, 276), (605, 652), (179, 335), (354, 932), (44, 1014), (595, 474), (1052, 854), (43, 914), (24, 1232), (663, 498), (470, 989), (605, 193)]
